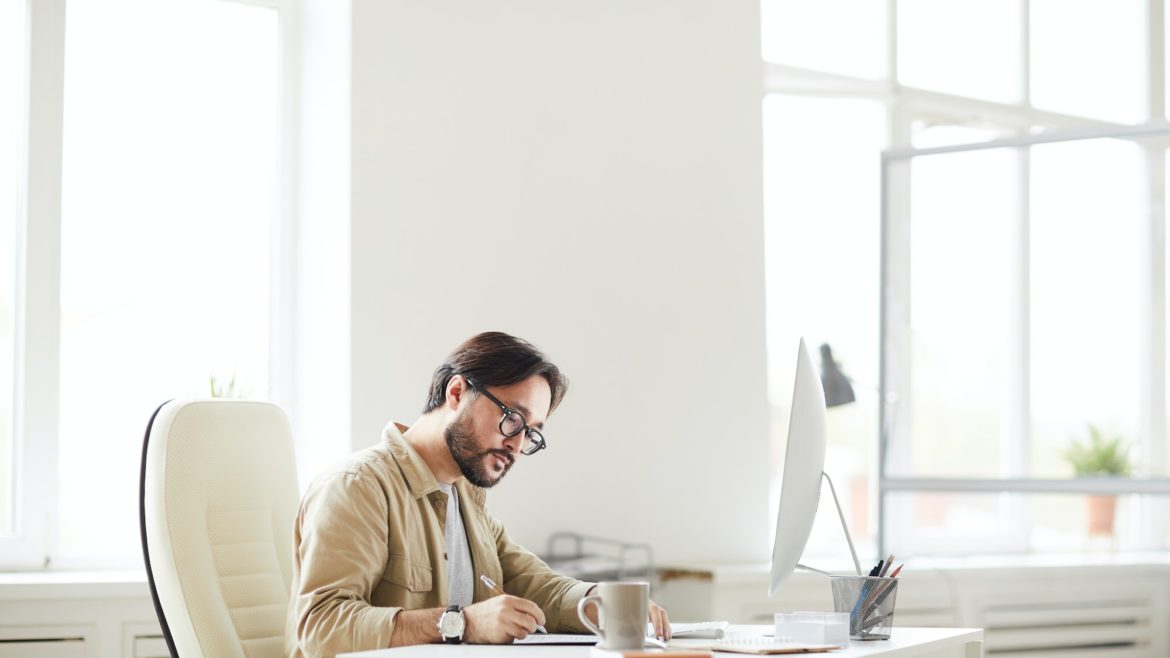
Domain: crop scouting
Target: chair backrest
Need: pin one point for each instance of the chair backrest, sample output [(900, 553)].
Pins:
[(218, 500)]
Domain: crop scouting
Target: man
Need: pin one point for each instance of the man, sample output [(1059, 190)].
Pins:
[(391, 544)]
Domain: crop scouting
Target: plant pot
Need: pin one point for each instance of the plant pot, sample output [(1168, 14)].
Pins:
[(1101, 511)]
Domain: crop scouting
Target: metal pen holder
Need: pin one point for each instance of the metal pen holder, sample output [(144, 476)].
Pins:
[(869, 600)]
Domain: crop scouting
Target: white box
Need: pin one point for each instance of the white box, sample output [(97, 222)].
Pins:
[(813, 627)]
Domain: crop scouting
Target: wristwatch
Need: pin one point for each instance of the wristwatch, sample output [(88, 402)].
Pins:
[(451, 625)]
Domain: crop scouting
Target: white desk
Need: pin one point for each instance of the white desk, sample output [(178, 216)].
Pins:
[(903, 643)]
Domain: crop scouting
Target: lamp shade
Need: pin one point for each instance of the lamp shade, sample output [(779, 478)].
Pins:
[(838, 390)]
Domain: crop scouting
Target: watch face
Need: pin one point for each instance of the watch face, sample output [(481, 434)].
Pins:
[(451, 624)]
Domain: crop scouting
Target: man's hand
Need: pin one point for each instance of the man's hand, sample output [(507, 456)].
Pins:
[(658, 617), (660, 620), (501, 619)]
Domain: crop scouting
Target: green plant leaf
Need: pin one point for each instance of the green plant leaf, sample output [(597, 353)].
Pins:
[(1100, 455)]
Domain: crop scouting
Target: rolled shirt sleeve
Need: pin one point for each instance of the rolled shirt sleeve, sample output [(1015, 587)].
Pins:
[(341, 532), (529, 577)]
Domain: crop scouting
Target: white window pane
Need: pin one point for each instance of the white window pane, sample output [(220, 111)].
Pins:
[(1163, 469), (1165, 67), (965, 48), (1088, 58), (1073, 523), (12, 98), (970, 524), (170, 156), (822, 252), (963, 243), (837, 36), (1087, 281), (933, 523)]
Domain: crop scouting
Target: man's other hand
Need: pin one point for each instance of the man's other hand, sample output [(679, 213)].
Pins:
[(660, 621), (501, 619)]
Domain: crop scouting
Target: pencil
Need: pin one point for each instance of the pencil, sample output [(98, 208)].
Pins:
[(495, 589), (879, 595)]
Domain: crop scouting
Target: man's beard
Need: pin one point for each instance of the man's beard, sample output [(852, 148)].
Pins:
[(461, 443)]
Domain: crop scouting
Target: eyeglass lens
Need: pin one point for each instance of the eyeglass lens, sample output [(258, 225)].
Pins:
[(513, 423)]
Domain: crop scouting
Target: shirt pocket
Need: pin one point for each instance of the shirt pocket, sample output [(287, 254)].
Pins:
[(405, 584), (409, 575)]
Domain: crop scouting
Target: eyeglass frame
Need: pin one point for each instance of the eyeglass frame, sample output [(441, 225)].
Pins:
[(524, 426)]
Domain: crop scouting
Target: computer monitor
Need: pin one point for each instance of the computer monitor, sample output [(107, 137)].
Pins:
[(804, 465)]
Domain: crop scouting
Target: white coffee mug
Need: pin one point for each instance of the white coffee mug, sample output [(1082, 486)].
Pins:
[(622, 609)]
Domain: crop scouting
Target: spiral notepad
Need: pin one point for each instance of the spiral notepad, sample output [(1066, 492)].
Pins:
[(763, 645)]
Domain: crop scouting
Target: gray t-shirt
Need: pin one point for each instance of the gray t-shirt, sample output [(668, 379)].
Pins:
[(459, 572)]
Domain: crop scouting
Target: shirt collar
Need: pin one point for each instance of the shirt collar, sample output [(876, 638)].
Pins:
[(418, 475)]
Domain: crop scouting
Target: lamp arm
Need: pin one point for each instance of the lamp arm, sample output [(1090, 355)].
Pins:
[(844, 526)]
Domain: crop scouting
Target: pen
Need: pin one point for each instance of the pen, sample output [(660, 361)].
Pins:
[(889, 585), (867, 594), (874, 601), (495, 589), (862, 596)]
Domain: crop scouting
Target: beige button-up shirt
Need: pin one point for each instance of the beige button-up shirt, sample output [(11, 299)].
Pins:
[(369, 542)]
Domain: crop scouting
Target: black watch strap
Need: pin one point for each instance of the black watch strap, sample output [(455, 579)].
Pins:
[(458, 639)]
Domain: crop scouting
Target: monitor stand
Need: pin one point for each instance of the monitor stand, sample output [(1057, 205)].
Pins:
[(844, 526)]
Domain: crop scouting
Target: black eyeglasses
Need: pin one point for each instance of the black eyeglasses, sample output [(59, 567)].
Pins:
[(513, 423)]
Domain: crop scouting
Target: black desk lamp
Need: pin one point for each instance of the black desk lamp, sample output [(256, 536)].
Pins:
[(838, 390)]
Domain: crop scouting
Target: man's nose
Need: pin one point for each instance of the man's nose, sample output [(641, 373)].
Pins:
[(512, 443)]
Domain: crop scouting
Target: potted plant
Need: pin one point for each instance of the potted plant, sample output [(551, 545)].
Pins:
[(231, 389), (1101, 456)]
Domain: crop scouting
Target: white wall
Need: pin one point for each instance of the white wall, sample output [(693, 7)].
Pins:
[(586, 175)]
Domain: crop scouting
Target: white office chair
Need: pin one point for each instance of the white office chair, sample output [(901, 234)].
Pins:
[(218, 500)]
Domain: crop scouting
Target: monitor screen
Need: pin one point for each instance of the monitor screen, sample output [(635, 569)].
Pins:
[(804, 460)]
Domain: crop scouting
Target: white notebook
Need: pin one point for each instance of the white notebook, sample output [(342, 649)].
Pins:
[(567, 638), (703, 630), (558, 638), (697, 630), (768, 645)]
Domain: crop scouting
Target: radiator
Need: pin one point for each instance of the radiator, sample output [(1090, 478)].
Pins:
[(1106, 628), (43, 641)]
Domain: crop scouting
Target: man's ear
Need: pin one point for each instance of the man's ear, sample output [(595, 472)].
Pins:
[(457, 389)]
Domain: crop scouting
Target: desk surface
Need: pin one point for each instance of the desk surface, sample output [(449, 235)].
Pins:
[(903, 643)]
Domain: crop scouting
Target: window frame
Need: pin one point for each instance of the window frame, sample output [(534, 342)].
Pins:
[(36, 409), (905, 105), (896, 366), (36, 315)]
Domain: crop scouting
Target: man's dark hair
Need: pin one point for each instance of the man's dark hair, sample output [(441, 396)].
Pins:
[(494, 358)]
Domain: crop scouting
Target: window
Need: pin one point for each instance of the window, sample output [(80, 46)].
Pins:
[(958, 229), (12, 32), (1024, 333), (1107, 81), (1087, 240), (1023, 300), (164, 259), (965, 48)]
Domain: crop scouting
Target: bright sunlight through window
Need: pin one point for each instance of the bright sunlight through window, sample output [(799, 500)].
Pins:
[(170, 161)]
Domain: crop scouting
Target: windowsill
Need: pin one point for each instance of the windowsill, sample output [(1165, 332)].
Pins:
[(1046, 561), (26, 585), (1124, 561), (41, 585)]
